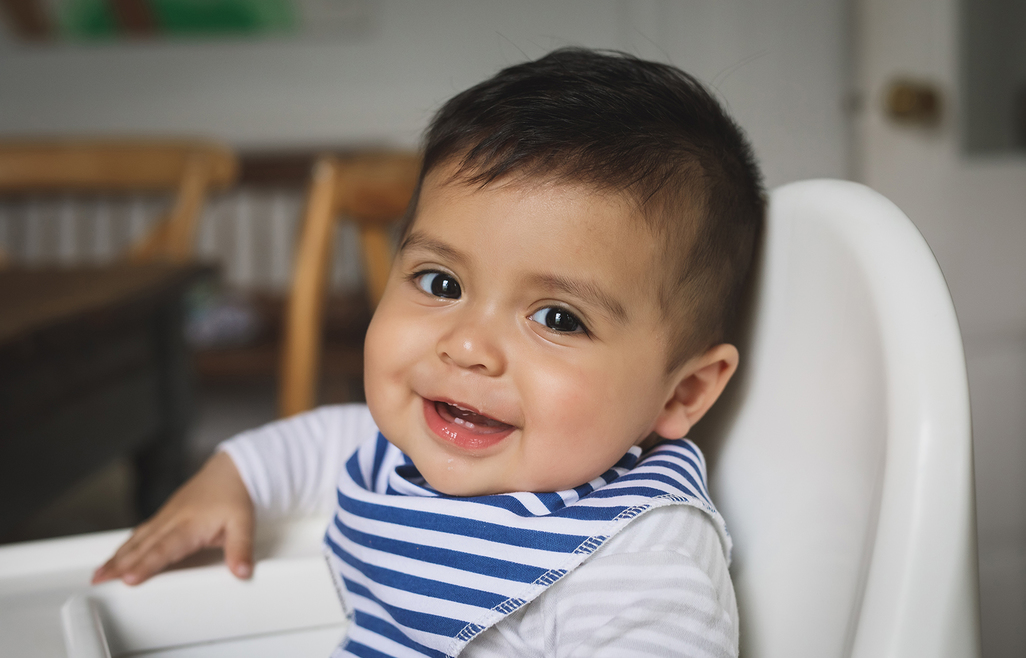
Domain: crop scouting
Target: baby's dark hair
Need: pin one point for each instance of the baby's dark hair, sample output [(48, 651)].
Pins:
[(643, 129)]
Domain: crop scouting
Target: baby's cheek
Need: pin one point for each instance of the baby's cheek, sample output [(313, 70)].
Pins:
[(563, 389), (382, 381), (373, 370), (575, 417), (386, 346)]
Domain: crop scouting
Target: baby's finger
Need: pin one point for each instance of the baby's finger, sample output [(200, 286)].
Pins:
[(102, 574), (171, 548), (118, 565), (238, 547), (113, 567)]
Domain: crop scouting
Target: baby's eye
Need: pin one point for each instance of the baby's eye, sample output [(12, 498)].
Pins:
[(559, 319), (439, 284)]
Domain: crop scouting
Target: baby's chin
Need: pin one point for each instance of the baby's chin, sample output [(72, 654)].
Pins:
[(474, 492), (452, 480), (458, 483)]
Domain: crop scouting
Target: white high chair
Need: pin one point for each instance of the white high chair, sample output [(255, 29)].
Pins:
[(841, 458)]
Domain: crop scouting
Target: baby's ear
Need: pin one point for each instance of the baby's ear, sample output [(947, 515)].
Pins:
[(699, 383)]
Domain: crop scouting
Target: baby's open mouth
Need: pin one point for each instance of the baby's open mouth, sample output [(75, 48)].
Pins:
[(471, 420)]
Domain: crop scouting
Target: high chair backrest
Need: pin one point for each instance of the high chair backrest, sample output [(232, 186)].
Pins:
[(372, 190), (842, 456), (186, 168)]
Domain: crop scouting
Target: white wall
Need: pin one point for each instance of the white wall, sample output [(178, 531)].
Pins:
[(781, 65)]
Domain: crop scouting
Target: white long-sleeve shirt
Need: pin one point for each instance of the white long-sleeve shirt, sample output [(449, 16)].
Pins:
[(659, 588)]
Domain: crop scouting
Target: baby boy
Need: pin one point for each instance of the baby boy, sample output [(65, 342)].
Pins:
[(555, 321)]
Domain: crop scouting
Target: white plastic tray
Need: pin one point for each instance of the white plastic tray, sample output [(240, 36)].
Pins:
[(289, 607)]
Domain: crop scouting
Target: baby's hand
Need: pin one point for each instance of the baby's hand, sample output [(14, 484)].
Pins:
[(211, 509)]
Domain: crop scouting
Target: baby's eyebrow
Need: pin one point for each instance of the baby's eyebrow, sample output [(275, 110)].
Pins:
[(584, 290), (421, 241)]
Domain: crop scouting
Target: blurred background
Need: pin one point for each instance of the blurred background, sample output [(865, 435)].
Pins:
[(923, 100)]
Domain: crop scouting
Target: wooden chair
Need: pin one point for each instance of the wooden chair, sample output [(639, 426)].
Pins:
[(372, 190), (189, 169)]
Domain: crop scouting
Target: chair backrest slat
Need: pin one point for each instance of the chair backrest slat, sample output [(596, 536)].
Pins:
[(97, 166), (189, 169), (371, 190)]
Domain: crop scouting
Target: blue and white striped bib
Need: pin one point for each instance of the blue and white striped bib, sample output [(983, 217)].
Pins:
[(422, 573)]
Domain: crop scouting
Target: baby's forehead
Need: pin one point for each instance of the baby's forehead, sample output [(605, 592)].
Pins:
[(634, 220)]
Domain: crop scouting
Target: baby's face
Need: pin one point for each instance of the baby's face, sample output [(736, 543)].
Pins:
[(519, 345)]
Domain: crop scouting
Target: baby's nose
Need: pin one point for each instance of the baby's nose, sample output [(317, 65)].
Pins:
[(473, 346)]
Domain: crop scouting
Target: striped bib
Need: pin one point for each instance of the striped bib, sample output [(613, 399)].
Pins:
[(421, 573)]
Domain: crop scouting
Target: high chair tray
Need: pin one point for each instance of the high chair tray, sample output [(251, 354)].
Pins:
[(289, 606)]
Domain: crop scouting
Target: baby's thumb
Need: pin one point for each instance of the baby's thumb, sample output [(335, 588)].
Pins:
[(238, 547)]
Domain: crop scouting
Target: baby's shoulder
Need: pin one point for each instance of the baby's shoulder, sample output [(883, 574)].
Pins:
[(662, 582), (683, 529)]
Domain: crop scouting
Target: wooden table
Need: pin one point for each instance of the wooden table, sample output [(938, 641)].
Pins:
[(93, 365)]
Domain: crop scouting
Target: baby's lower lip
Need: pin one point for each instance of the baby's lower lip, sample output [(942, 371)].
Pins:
[(465, 435)]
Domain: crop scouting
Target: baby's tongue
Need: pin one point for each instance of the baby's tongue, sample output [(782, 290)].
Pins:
[(453, 413)]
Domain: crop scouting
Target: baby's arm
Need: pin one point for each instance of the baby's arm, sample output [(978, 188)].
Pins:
[(291, 467), (211, 509), (286, 467)]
